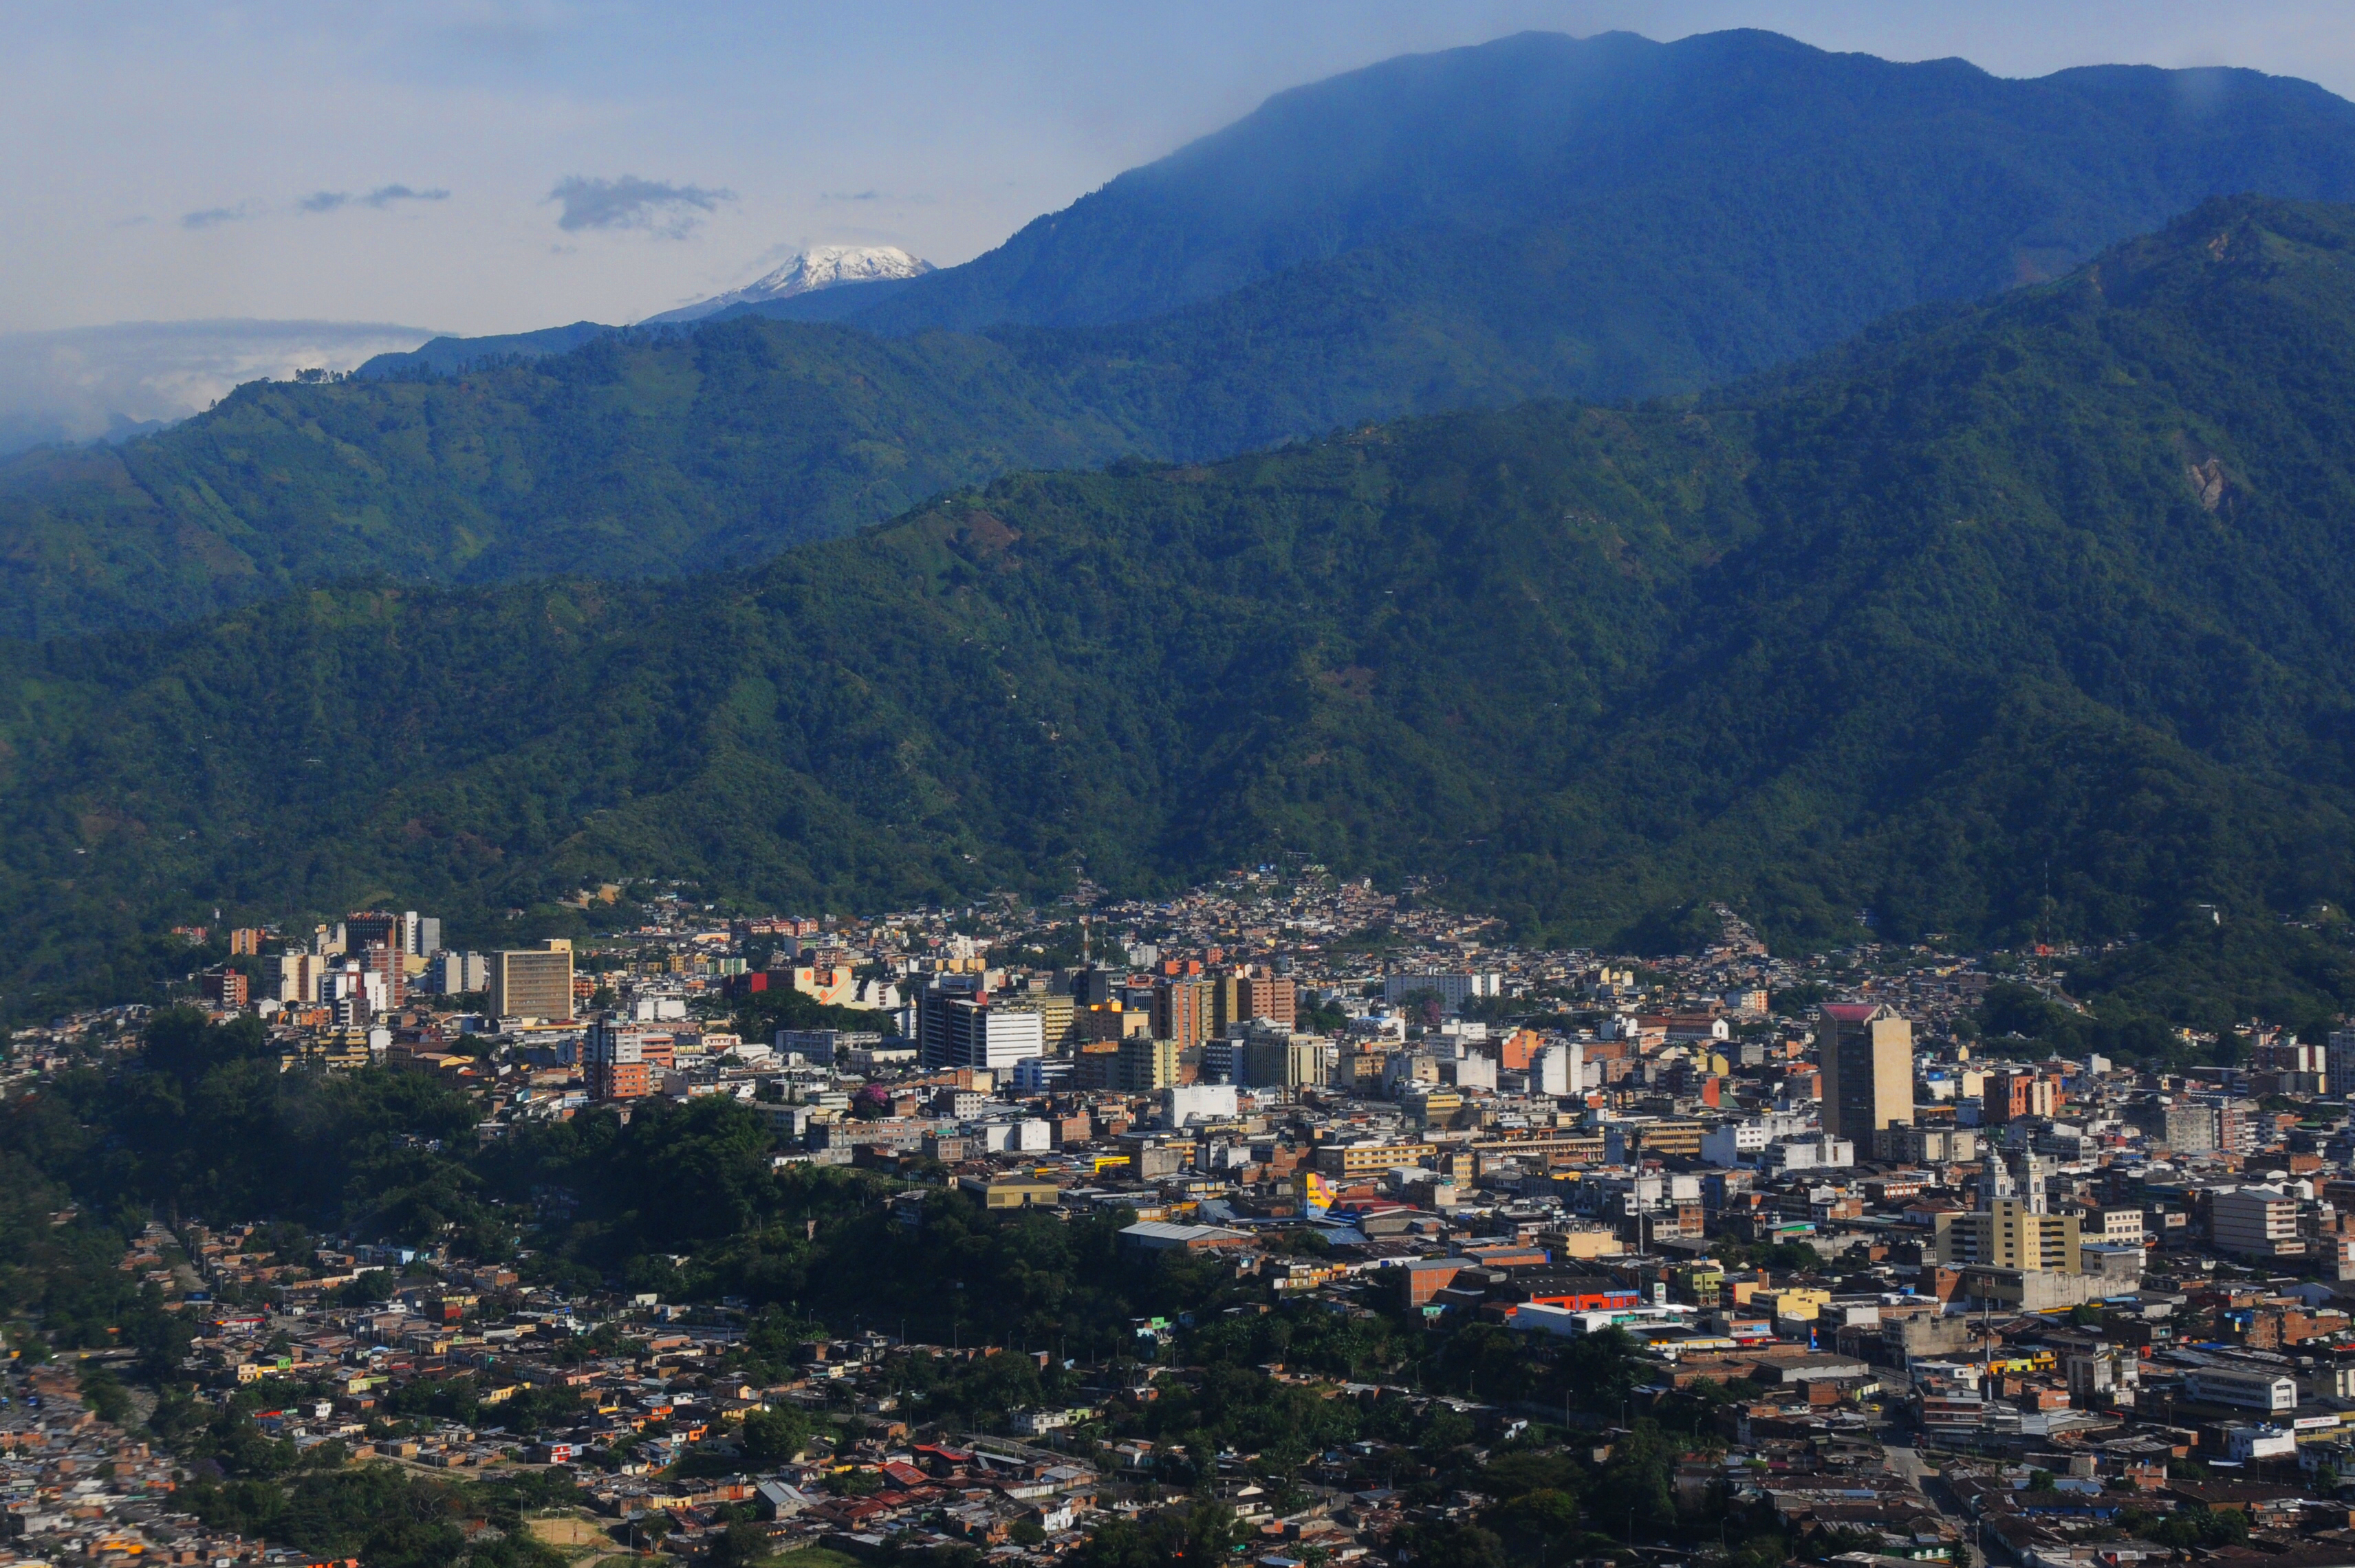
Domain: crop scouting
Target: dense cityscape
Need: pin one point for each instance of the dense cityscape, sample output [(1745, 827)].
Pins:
[(1575, 801), (1808, 1207)]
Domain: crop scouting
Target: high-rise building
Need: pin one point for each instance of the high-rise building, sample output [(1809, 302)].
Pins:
[(1112, 1020), (448, 973), (1269, 996), (420, 936), (1182, 1011), (957, 1025), (2017, 1092), (613, 1059), (1865, 1052), (2338, 1062), (354, 992), (2255, 1222), (1095, 1065), (245, 939), (1278, 1058), (373, 928), (385, 963), (1054, 1010), (1557, 1069), (299, 974), (1147, 1064), (224, 986), (533, 982), (1247, 994), (1222, 1059)]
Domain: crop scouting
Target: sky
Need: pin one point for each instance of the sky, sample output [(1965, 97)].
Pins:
[(491, 166)]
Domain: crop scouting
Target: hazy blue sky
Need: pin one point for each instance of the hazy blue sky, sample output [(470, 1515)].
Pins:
[(481, 165)]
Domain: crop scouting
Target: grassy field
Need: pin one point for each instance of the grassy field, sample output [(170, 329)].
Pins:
[(580, 1535), (813, 1557)]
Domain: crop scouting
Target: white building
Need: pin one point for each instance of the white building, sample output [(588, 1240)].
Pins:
[(2255, 1223), (1455, 989), (1187, 1102), (1558, 1070), (2241, 1388), (1740, 1141), (1028, 1136), (1808, 1154)]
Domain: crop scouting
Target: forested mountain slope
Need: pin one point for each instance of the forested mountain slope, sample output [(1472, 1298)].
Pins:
[(1540, 215), (2039, 620)]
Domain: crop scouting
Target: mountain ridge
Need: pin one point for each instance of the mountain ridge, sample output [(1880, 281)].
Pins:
[(2032, 622)]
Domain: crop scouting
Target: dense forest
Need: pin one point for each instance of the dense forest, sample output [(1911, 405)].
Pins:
[(2030, 620), (1540, 215)]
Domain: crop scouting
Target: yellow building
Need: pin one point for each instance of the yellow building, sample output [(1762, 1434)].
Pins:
[(2009, 1234), (1866, 1052), (1800, 1302), (1370, 1159), (533, 982)]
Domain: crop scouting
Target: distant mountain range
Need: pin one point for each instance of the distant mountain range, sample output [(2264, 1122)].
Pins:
[(1542, 216), (2028, 617)]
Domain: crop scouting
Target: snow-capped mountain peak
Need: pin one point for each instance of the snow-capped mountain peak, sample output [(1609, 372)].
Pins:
[(820, 267)]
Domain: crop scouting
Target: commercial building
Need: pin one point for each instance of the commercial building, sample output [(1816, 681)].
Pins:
[(2007, 1234), (1147, 1065), (1183, 1010), (387, 964), (2255, 1222), (1278, 1058), (2184, 1126), (355, 993), (959, 1025), (299, 974), (2338, 1062), (1055, 1010), (614, 1059), (2013, 1227), (1189, 1103), (1351, 1160), (1454, 988), (449, 974), (533, 982), (2018, 1092), (420, 936), (1866, 1052), (1926, 1145), (373, 928), (2239, 1389)]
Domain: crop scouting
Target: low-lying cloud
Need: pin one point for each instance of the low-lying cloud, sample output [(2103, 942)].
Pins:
[(382, 196), (629, 202), (111, 381)]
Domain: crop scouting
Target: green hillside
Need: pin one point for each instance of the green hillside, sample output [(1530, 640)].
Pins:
[(2035, 619), (644, 457)]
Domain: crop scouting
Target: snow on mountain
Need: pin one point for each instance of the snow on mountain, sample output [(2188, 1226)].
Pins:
[(821, 267)]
